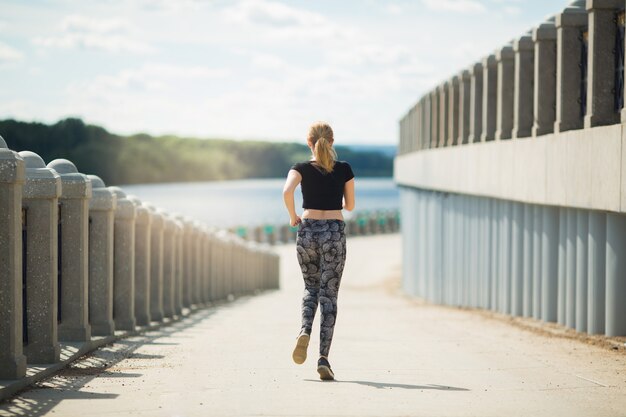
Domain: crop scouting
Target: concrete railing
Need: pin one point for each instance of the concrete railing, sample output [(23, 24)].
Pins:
[(513, 188), (83, 263), (359, 224), (565, 74)]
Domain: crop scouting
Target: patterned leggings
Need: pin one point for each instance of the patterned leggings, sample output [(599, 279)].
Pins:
[(321, 248)]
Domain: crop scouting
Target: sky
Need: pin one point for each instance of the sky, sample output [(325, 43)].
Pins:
[(244, 69)]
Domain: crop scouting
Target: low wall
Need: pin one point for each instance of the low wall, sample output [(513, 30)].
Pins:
[(579, 168), (358, 224), (82, 264)]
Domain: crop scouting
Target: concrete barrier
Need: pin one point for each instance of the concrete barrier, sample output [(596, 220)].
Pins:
[(550, 203), (73, 252), (40, 203), (359, 223), (12, 174), (124, 262), (81, 259), (102, 208), (143, 227)]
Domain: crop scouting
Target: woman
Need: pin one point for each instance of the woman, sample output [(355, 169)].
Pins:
[(327, 187)]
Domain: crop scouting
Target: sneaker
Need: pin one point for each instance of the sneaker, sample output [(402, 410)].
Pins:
[(323, 368), (302, 343)]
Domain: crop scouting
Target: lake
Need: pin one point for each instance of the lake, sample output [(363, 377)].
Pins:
[(251, 202)]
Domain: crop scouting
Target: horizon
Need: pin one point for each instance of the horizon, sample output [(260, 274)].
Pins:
[(244, 69)]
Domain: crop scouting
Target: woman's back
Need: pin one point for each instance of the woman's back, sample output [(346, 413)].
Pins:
[(323, 190)]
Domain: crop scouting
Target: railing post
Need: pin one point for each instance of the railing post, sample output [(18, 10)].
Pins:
[(596, 272), (196, 296), (124, 262), (426, 122), (601, 62), (490, 98), (523, 100), (156, 263), (206, 265), (169, 266), (143, 222), (544, 106), (465, 99), (74, 250), (571, 67), (12, 360), (180, 265), (615, 275), (188, 262), (506, 92), (443, 114), (453, 111), (417, 124), (476, 103), (101, 218), (41, 204), (434, 118)]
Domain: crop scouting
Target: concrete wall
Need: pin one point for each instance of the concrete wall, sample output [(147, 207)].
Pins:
[(527, 216), (50, 221), (578, 168), (554, 264)]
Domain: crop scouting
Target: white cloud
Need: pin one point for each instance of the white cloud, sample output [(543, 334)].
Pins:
[(458, 6), (393, 9), (153, 78), (110, 35), (283, 21), (512, 10), (9, 54)]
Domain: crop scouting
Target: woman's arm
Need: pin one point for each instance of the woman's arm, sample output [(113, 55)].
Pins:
[(348, 195), (293, 179)]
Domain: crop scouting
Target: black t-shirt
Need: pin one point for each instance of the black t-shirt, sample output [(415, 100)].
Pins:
[(323, 190)]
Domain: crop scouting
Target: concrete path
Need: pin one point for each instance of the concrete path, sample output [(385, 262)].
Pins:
[(392, 357)]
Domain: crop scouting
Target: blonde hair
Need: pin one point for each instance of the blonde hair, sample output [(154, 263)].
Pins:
[(321, 139)]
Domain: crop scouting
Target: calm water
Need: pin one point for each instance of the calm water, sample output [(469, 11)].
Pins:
[(250, 202)]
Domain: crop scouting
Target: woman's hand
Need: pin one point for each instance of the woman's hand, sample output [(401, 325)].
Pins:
[(294, 221)]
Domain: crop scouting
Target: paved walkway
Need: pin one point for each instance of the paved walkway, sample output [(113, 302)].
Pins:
[(392, 357)]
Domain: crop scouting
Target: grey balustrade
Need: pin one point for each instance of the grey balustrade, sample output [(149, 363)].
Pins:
[(102, 208), (12, 176), (40, 203), (124, 262), (73, 252)]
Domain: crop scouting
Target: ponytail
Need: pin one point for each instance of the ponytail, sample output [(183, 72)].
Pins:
[(321, 140), (325, 155)]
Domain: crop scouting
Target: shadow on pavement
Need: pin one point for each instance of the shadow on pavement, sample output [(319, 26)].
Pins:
[(383, 385), (42, 397)]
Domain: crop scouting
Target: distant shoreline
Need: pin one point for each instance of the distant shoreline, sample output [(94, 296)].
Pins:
[(143, 159)]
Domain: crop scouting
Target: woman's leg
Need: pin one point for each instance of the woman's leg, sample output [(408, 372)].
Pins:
[(309, 260), (332, 261)]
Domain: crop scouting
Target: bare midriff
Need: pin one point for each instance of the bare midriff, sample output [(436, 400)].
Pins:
[(322, 214)]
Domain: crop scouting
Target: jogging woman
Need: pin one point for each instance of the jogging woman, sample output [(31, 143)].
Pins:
[(327, 188)]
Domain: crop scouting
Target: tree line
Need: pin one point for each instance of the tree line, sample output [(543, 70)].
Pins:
[(142, 158)]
